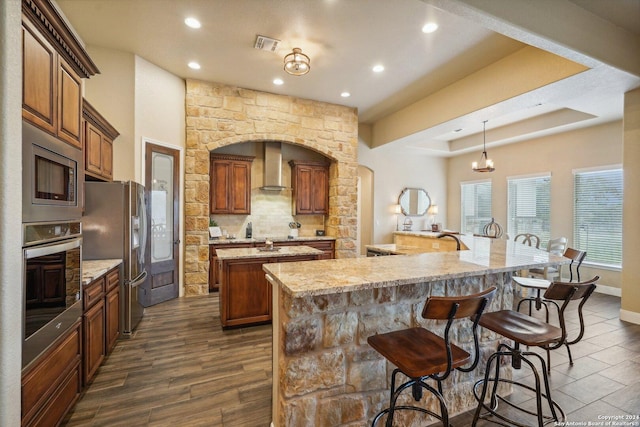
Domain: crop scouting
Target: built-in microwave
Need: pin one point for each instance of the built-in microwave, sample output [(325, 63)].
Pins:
[(52, 176)]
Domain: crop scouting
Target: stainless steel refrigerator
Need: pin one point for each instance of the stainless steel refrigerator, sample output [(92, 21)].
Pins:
[(114, 225)]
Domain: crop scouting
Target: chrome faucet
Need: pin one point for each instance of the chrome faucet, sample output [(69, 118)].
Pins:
[(453, 237)]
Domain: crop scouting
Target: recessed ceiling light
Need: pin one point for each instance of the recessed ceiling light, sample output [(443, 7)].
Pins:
[(345, 94), (192, 22), (278, 82), (194, 65), (429, 27), (378, 68)]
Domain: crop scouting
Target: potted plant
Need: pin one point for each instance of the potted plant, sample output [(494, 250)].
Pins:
[(214, 230)]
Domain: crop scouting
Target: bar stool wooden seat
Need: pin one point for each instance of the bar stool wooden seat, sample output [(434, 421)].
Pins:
[(528, 331), (421, 355)]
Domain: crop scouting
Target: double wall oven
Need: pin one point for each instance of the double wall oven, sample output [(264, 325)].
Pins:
[(51, 239)]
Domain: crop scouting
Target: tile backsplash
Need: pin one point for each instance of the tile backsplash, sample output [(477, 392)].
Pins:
[(271, 213)]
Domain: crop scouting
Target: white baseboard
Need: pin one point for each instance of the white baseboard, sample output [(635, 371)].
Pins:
[(609, 290), (630, 316)]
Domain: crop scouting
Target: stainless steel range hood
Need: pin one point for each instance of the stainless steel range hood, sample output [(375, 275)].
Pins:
[(273, 167)]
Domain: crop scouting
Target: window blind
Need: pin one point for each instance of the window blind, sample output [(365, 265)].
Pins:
[(597, 215), (475, 206), (529, 207)]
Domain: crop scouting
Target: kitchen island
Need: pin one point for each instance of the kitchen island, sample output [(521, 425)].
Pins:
[(325, 373), (245, 294)]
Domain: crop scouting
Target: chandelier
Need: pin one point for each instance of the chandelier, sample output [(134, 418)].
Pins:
[(297, 63), (487, 162)]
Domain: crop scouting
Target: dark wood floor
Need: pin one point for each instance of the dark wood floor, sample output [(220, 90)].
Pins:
[(181, 369)]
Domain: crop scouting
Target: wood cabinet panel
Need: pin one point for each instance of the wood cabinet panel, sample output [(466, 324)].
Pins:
[(230, 184), (39, 80), (64, 398), (93, 292), (98, 144), (69, 105), (112, 319), (214, 269), (48, 383), (246, 293), (310, 181), (94, 340)]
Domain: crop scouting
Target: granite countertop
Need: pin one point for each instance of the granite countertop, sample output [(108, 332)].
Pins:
[(484, 256), (93, 269), (279, 251), (393, 249), (427, 233), (273, 239)]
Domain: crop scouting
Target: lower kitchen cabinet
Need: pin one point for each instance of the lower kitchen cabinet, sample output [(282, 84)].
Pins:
[(245, 293), (53, 383), (101, 321), (214, 273)]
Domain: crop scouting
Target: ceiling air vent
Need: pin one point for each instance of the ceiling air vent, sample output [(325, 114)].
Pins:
[(266, 43)]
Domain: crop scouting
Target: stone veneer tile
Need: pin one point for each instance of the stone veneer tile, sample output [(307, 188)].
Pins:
[(339, 329), (219, 115), (302, 336), (307, 374)]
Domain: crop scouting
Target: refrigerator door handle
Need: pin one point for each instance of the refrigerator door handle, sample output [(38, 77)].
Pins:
[(138, 280)]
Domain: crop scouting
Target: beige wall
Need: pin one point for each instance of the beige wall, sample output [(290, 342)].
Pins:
[(10, 213), (395, 169), (558, 154), (112, 93), (630, 309)]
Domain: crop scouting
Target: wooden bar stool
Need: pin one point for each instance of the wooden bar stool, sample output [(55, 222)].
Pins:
[(420, 354), (528, 331)]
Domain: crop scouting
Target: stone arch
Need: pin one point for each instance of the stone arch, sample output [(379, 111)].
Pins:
[(220, 115)]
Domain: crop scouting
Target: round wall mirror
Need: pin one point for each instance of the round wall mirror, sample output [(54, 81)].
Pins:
[(414, 201)]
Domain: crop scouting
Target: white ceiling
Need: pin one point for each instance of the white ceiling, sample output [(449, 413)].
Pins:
[(344, 39)]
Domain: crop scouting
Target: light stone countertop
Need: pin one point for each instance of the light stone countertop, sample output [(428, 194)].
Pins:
[(278, 239), (485, 255), (279, 251), (93, 269)]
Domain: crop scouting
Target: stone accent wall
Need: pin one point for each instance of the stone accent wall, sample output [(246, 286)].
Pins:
[(328, 375), (219, 115)]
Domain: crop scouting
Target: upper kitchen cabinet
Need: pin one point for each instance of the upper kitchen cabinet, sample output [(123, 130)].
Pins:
[(310, 181), (230, 186), (53, 66), (98, 144)]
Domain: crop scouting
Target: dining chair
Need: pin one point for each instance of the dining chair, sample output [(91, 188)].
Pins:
[(555, 246), (528, 239)]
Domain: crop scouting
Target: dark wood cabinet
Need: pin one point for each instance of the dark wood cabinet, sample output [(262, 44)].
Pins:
[(245, 293), (230, 184), (214, 273), (101, 321), (51, 89), (52, 384), (99, 135), (310, 181), (45, 282)]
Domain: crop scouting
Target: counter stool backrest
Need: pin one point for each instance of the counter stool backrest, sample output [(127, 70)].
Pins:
[(576, 256), (567, 292)]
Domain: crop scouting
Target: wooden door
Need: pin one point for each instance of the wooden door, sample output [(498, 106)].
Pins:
[(320, 190), (162, 185), (69, 105), (304, 182), (219, 193), (240, 188), (92, 149)]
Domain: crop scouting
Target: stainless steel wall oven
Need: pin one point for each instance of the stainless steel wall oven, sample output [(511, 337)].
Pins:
[(52, 279)]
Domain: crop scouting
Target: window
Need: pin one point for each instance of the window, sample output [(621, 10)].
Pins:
[(529, 206), (597, 215), (475, 206)]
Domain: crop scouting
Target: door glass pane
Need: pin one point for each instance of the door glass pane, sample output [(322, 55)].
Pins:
[(161, 207)]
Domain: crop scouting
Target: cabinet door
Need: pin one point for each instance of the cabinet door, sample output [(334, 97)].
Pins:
[(94, 340), (320, 190), (112, 318), (92, 149), (39, 80), (303, 192), (246, 293), (69, 105), (214, 269), (219, 197), (240, 188)]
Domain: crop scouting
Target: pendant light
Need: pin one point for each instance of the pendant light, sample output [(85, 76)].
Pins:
[(297, 63), (488, 163)]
